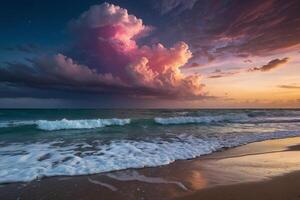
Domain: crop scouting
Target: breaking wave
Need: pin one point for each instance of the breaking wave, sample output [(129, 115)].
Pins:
[(80, 124), (224, 119), (26, 162), (63, 124), (200, 119)]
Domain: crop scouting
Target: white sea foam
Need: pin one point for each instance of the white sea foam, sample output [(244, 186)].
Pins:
[(135, 176), (3, 125), (25, 162), (80, 124), (111, 187), (51, 125), (67, 124)]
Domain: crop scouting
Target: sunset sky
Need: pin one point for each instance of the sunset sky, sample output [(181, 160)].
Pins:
[(155, 53)]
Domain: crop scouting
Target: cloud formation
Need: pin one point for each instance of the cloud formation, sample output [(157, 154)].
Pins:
[(220, 29), (221, 74), (109, 24), (166, 6), (105, 57), (270, 65), (267, 67), (289, 86), (57, 70)]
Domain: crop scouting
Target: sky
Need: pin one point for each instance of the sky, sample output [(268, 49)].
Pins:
[(150, 54)]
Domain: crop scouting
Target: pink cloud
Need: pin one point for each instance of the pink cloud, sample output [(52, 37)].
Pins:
[(113, 35), (159, 68), (105, 43), (111, 24)]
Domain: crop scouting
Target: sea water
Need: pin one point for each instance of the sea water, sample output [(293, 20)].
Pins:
[(38, 143)]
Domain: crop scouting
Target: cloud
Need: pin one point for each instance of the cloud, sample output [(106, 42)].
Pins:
[(57, 70), (271, 65), (110, 24), (159, 67), (194, 64), (234, 28), (247, 61), (220, 74), (289, 86), (166, 6), (105, 58), (108, 31)]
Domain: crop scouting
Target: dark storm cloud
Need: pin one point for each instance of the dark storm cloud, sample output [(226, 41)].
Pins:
[(240, 28), (270, 65), (56, 72)]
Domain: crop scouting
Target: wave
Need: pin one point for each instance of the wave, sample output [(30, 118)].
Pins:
[(63, 124), (239, 118), (200, 119), (273, 113), (80, 124), (7, 124), (271, 120), (26, 162)]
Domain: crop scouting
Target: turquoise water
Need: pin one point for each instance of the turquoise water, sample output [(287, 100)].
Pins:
[(37, 143)]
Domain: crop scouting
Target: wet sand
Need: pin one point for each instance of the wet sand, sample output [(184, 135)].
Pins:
[(262, 170), (286, 187)]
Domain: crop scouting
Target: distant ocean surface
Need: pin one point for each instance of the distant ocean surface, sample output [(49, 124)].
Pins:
[(38, 143)]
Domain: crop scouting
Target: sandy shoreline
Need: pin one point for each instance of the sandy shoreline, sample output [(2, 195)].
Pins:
[(262, 170), (284, 187)]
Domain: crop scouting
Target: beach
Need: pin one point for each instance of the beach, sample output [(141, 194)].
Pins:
[(261, 170), (150, 100)]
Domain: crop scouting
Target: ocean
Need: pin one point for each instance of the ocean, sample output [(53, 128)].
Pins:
[(36, 143)]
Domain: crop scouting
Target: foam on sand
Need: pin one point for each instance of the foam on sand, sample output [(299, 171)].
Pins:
[(135, 176), (111, 187)]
